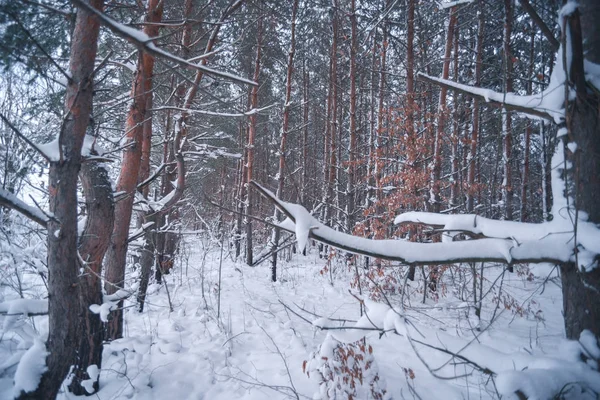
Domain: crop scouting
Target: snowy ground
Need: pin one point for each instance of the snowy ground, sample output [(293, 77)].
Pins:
[(257, 347)]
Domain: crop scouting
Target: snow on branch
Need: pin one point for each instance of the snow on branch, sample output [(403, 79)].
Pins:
[(215, 113), (481, 226), (144, 42), (546, 105), (550, 248), (449, 4), (9, 200), (26, 307)]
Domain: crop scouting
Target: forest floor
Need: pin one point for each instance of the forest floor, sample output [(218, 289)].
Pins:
[(256, 345)]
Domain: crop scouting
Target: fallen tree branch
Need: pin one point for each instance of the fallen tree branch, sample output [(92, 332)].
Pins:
[(548, 249), (501, 101)]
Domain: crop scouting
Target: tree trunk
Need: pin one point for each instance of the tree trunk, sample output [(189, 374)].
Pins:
[(284, 133), (455, 138), (411, 108), (507, 189), (250, 147), (581, 287), (93, 244), (528, 131), (475, 125), (436, 170), (352, 150), (128, 178), (333, 122), (63, 264), (305, 111)]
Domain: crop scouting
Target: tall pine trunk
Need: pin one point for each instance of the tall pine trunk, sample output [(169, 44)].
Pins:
[(283, 139), (507, 189), (471, 159), (64, 279), (251, 144), (436, 170)]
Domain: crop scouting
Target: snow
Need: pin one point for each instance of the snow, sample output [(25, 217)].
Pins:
[(103, 310), (190, 353), (302, 228), (568, 9), (90, 148), (449, 4), (24, 307), (30, 369), (93, 372), (589, 344), (553, 239), (50, 150), (592, 73)]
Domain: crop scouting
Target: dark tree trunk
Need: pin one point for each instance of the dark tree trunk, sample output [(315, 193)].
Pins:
[(581, 307), (435, 200), (507, 190), (251, 142), (146, 262), (352, 150), (93, 243), (284, 134), (580, 287)]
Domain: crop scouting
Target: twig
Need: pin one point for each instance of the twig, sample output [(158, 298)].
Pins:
[(25, 139)]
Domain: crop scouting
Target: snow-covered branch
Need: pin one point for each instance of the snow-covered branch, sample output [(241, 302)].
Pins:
[(26, 307), (214, 113), (144, 42), (484, 227), (546, 105), (9, 200), (550, 248), (449, 4)]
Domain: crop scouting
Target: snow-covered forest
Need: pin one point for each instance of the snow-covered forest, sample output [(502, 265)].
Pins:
[(304, 199)]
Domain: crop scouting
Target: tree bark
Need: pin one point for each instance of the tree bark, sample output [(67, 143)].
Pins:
[(93, 244), (130, 170), (436, 170), (352, 150), (63, 264), (528, 131), (507, 189), (251, 142), (284, 134), (580, 286)]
